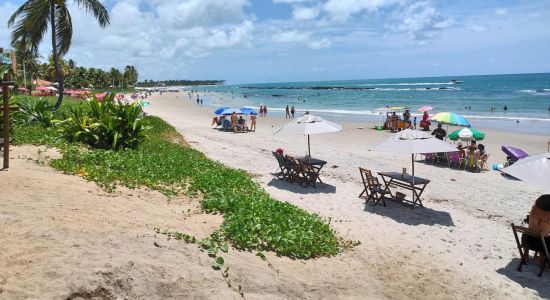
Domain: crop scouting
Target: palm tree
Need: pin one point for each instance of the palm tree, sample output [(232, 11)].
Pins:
[(30, 23), (130, 75), (27, 60)]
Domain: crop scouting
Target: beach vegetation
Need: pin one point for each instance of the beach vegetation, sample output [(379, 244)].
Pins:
[(108, 124), (34, 111), (253, 220), (33, 18)]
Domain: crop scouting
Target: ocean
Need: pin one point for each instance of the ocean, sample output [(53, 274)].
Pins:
[(526, 97)]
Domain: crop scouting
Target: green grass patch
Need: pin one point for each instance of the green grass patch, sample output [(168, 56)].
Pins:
[(252, 219)]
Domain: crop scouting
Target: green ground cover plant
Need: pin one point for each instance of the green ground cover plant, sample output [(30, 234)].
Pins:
[(252, 219)]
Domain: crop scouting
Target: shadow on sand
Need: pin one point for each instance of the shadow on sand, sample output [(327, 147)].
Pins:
[(322, 188), (414, 217), (528, 278)]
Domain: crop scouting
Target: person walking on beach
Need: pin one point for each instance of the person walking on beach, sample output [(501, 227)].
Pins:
[(253, 123), (198, 100), (292, 110), (201, 102), (287, 112), (265, 110)]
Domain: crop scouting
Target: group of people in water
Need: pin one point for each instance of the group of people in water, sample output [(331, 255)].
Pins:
[(263, 110)]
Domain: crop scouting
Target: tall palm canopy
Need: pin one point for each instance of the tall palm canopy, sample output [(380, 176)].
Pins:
[(30, 23)]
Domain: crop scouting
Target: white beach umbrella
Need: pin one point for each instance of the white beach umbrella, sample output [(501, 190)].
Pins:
[(309, 124), (412, 142), (533, 169)]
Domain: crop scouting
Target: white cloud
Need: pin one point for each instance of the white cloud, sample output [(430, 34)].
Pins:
[(501, 11), (342, 10), (291, 36), (477, 27), (300, 12), (422, 21), (320, 43)]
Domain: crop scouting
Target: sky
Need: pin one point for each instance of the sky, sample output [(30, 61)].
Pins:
[(245, 41)]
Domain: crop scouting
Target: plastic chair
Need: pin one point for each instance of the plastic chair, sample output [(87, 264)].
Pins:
[(454, 158)]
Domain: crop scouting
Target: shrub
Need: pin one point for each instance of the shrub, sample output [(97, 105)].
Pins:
[(35, 111), (104, 125)]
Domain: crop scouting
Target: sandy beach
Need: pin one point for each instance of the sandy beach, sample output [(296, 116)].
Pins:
[(461, 241), (85, 243)]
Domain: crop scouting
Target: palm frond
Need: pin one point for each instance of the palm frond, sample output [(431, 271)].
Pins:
[(98, 9), (30, 22), (64, 29)]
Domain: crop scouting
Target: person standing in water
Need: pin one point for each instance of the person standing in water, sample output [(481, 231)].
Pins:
[(292, 110), (265, 110), (505, 107), (287, 112)]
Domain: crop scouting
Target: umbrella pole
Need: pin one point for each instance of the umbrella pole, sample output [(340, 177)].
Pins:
[(308, 146), (413, 188)]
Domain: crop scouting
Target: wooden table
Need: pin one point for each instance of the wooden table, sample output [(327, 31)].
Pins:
[(315, 164), (406, 182)]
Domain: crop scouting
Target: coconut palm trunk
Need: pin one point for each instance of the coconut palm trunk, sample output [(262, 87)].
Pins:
[(58, 75)]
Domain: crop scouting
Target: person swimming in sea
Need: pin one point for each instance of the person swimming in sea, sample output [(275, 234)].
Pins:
[(505, 107)]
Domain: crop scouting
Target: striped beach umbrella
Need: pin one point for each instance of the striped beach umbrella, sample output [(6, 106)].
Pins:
[(467, 134), (450, 118)]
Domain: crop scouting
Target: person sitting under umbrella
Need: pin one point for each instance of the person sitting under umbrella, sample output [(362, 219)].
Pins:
[(439, 132), (539, 220)]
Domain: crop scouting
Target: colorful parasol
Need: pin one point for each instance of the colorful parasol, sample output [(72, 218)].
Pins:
[(450, 118), (467, 134)]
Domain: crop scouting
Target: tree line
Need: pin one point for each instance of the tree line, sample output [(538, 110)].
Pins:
[(30, 68), (153, 83)]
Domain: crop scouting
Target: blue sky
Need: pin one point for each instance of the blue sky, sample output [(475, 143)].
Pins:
[(301, 40)]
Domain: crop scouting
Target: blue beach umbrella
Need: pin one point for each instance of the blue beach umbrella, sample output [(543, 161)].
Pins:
[(248, 111), (230, 111), (219, 111)]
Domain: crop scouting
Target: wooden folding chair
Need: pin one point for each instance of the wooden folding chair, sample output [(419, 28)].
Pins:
[(282, 171), (373, 190), (296, 173), (530, 240)]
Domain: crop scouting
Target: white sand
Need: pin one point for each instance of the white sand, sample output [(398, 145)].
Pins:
[(64, 238), (461, 243)]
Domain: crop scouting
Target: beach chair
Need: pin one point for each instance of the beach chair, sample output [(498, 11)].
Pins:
[(482, 162), (530, 240), (373, 190), (296, 172), (226, 125), (430, 157), (455, 159), (282, 171)]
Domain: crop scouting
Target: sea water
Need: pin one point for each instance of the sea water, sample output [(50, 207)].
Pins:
[(480, 99)]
